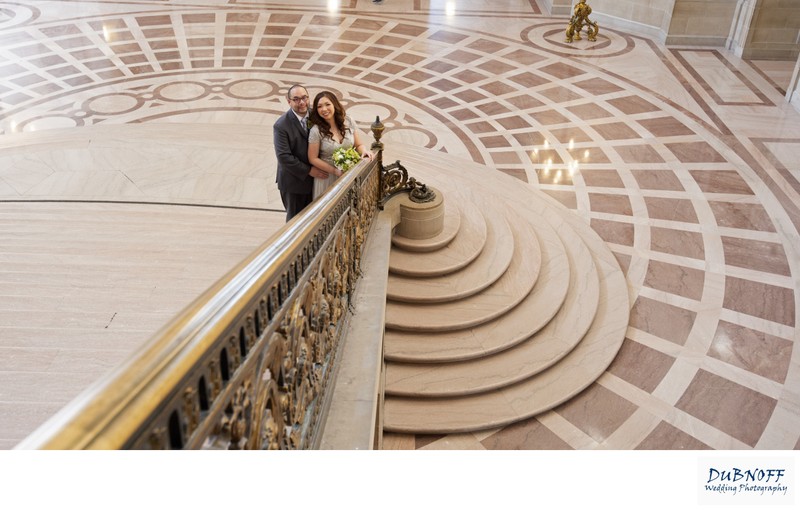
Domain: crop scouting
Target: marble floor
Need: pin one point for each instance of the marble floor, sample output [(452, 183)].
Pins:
[(684, 160)]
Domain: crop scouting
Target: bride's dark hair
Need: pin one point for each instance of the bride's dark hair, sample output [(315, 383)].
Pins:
[(338, 115)]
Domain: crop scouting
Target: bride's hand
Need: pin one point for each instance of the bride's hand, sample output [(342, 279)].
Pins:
[(367, 155), (317, 173)]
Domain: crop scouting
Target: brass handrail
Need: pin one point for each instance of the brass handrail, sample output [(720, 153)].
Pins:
[(248, 363)]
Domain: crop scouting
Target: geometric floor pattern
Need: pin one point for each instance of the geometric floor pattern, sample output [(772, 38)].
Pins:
[(685, 162)]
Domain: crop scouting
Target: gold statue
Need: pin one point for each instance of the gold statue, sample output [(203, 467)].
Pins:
[(580, 17)]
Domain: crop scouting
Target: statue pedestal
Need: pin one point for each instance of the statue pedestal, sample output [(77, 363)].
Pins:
[(419, 220)]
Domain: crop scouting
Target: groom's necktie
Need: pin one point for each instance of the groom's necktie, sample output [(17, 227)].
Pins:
[(304, 124)]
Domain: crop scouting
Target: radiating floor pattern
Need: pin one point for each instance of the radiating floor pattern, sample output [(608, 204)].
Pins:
[(685, 161)]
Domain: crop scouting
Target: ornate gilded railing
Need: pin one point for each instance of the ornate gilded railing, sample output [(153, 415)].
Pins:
[(394, 178), (249, 363)]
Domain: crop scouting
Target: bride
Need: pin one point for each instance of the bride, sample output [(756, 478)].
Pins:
[(332, 129)]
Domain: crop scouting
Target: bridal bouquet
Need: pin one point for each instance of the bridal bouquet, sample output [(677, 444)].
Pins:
[(345, 159)]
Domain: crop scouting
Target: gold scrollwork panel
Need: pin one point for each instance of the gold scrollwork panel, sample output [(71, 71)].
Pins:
[(264, 383), (269, 433)]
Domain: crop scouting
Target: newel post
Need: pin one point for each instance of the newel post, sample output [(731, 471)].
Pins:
[(377, 149), (394, 178)]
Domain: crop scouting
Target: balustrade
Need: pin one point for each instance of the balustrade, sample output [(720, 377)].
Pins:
[(249, 365)]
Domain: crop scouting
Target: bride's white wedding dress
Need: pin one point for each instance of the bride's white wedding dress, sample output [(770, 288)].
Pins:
[(326, 148)]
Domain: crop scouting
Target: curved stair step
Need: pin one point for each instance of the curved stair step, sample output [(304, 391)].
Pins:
[(552, 386), (452, 225), (524, 360), (501, 333), (500, 297), (464, 248), (481, 273), (542, 392)]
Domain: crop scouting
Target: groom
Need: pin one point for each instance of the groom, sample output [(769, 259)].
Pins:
[(290, 135)]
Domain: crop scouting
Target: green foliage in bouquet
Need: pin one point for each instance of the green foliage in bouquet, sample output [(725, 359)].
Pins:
[(345, 159)]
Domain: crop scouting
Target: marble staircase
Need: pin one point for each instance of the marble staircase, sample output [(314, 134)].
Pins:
[(514, 308)]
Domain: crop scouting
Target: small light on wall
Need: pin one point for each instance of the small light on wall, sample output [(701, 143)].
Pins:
[(333, 6), (450, 8)]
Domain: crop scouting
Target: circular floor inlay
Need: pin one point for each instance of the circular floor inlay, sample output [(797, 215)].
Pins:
[(181, 91), (14, 15), (251, 89), (551, 37), (113, 104), (54, 122)]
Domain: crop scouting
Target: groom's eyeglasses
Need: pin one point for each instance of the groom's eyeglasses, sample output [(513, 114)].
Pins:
[(303, 99)]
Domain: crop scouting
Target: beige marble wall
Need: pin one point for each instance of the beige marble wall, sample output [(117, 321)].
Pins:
[(650, 18), (701, 22), (793, 91), (774, 31), (558, 7), (740, 26), (655, 14), (753, 29)]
